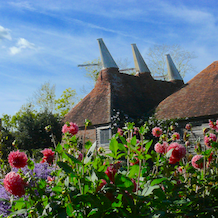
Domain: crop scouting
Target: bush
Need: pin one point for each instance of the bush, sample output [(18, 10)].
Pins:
[(101, 185)]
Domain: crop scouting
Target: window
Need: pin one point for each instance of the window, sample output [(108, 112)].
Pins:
[(103, 135)]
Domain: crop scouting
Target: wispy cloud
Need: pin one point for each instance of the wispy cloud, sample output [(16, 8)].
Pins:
[(4, 33), (22, 5), (21, 45)]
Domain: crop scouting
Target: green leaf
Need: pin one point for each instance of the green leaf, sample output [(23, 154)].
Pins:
[(75, 160), (59, 148), (30, 164), (94, 213), (134, 170), (148, 145), (69, 210), (147, 156), (66, 146), (121, 147), (113, 146), (133, 140), (65, 167), (57, 189), (157, 181), (111, 155), (120, 155), (19, 204), (149, 189), (123, 181)]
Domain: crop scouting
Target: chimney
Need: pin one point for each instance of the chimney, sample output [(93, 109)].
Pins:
[(173, 73), (106, 58), (140, 64)]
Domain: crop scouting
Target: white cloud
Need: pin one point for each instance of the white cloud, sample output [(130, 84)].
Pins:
[(21, 44), (4, 33)]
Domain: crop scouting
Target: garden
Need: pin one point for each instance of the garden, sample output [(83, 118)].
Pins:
[(148, 173)]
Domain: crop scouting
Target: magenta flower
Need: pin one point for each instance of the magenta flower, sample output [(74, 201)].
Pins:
[(175, 136), (188, 126), (120, 131), (72, 128), (136, 131), (187, 143), (178, 152), (157, 131), (110, 172), (208, 139), (212, 125), (48, 156), (161, 148), (80, 156), (195, 159), (17, 159), (14, 184)]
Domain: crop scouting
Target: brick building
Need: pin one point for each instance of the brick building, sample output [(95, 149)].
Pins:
[(133, 95)]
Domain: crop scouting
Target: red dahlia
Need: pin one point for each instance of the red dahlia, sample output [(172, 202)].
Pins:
[(14, 184), (17, 159), (48, 156)]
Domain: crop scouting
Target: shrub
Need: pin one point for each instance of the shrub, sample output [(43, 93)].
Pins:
[(121, 183)]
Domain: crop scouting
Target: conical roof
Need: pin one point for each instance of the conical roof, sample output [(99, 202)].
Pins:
[(199, 97), (140, 65), (106, 58), (173, 73)]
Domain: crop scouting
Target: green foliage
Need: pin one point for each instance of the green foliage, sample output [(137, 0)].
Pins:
[(31, 133), (130, 186), (65, 102)]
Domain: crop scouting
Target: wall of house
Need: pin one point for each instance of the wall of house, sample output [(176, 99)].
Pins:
[(198, 125), (90, 134)]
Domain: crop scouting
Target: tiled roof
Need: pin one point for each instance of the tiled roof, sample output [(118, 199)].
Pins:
[(198, 98), (132, 95)]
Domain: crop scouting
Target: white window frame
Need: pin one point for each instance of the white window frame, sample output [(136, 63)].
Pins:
[(99, 135)]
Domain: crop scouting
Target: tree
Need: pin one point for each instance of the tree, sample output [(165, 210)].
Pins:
[(31, 133), (65, 102), (157, 60), (44, 97)]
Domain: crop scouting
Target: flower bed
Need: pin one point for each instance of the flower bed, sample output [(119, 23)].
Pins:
[(134, 180)]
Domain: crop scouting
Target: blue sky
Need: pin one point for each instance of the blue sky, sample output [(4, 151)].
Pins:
[(44, 40)]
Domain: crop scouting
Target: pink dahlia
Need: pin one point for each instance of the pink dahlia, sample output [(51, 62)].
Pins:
[(175, 136), (196, 158), (157, 132), (72, 128), (120, 131), (212, 125), (208, 139), (17, 159), (48, 156), (188, 126), (14, 184), (179, 152), (136, 131), (180, 170), (187, 143), (161, 148)]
